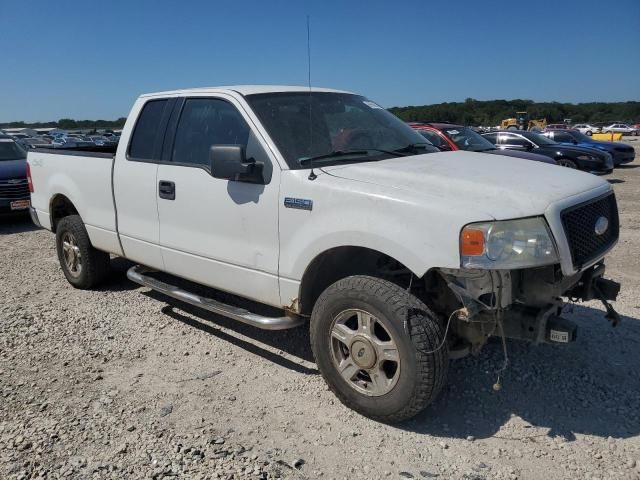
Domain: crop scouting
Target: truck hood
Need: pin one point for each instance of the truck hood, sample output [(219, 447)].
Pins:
[(494, 184), (13, 169)]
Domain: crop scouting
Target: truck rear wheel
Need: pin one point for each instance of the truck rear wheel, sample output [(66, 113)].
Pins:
[(83, 266), (379, 348)]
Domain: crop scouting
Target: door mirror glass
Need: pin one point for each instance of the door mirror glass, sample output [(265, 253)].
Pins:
[(228, 162)]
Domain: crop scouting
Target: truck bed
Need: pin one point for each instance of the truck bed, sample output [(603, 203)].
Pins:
[(96, 150), (84, 178)]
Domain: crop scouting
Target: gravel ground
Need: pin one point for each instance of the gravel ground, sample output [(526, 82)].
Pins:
[(125, 383)]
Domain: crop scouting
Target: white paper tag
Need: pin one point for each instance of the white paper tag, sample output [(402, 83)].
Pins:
[(560, 337)]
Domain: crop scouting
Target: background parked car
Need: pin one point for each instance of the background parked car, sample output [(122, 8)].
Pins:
[(556, 126), (34, 142), (103, 141), (621, 128), (587, 159), (14, 189), (621, 152), (451, 137), (18, 136), (71, 142), (586, 128)]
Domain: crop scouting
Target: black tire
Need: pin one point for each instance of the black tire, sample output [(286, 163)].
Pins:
[(565, 162), (417, 333), (94, 264), (589, 133)]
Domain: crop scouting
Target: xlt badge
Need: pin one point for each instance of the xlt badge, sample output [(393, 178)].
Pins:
[(299, 203)]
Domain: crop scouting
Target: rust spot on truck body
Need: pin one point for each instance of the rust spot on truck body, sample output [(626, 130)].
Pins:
[(293, 307)]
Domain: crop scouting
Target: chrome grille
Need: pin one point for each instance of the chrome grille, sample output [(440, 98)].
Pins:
[(14, 189)]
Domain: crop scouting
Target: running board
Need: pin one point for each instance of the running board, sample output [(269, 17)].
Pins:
[(138, 275)]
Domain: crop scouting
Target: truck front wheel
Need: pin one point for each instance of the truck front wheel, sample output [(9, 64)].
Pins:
[(83, 266), (378, 347)]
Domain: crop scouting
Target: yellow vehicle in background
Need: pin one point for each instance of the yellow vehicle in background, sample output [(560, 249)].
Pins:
[(607, 137), (523, 122)]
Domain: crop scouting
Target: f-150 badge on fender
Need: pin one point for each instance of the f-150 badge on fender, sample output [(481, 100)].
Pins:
[(299, 203)]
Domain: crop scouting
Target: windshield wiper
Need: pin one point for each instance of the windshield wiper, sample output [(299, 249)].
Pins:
[(412, 147), (334, 154), (344, 153)]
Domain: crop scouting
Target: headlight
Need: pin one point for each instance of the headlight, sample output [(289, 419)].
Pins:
[(506, 245)]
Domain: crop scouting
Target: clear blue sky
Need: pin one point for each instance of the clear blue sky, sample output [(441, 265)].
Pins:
[(91, 59)]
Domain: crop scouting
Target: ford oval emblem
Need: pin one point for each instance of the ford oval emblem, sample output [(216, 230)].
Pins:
[(601, 225)]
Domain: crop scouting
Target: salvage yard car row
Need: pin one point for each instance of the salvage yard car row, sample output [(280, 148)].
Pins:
[(564, 147)]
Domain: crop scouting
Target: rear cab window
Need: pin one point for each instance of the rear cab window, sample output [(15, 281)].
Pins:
[(148, 134)]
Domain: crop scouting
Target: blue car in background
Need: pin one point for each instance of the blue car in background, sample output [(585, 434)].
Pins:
[(621, 152), (14, 188)]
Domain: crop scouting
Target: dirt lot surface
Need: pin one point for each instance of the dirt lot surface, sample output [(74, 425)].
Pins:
[(117, 383)]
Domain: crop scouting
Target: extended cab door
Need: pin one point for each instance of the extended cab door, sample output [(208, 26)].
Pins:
[(217, 232), (135, 182)]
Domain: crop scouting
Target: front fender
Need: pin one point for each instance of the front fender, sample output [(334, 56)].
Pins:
[(419, 234)]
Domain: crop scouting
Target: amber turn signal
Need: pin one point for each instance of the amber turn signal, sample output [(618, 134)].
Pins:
[(471, 242)]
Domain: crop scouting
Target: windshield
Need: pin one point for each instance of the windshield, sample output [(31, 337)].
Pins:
[(467, 139), (9, 150), (538, 138), (339, 127)]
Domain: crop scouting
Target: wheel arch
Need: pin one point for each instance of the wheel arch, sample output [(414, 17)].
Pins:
[(60, 206), (340, 262)]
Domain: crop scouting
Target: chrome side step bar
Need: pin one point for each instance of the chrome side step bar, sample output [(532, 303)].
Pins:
[(138, 275)]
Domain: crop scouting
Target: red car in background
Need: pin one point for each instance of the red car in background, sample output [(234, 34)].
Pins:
[(450, 137)]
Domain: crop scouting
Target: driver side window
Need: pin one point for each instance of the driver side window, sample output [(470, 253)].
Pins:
[(205, 122)]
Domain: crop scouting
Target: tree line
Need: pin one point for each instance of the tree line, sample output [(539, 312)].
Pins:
[(69, 124), (492, 112), (469, 112)]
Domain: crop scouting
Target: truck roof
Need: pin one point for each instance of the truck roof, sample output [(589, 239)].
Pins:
[(244, 90)]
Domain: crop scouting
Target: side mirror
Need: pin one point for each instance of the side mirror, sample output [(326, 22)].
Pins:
[(443, 147), (228, 162), (528, 146)]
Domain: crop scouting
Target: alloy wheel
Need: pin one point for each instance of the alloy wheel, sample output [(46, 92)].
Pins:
[(364, 352), (71, 254)]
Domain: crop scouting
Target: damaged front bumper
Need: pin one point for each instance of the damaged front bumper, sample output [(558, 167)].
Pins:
[(522, 304)]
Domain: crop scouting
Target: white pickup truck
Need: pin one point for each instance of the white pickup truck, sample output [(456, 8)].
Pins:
[(318, 206)]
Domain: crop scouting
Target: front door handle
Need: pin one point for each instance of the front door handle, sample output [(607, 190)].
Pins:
[(167, 190)]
